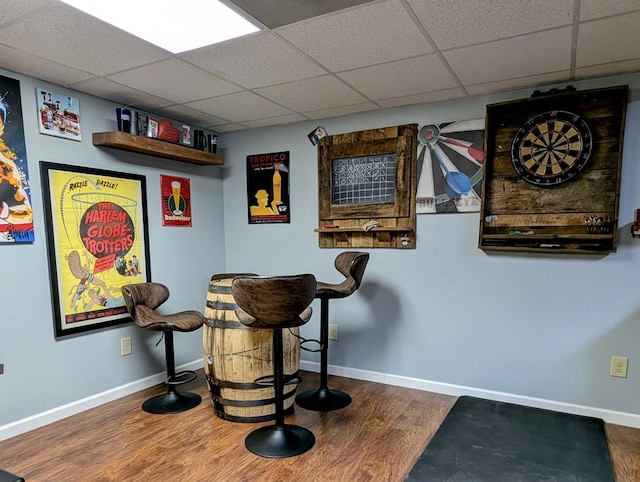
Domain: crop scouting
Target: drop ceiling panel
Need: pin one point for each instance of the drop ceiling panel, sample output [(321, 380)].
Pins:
[(18, 61), (12, 10), (283, 119), (66, 36), (239, 107), (190, 116), (436, 96), (401, 78), (166, 79), (275, 13), (256, 61), (613, 68), (609, 40), (456, 23), (528, 55), (106, 89), (312, 94), (372, 34), (592, 9), (340, 110), (518, 83)]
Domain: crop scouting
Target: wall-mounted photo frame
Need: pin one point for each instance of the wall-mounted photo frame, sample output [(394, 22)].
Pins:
[(97, 242), (58, 115)]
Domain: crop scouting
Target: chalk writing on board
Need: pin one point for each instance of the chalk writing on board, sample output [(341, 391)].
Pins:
[(364, 179)]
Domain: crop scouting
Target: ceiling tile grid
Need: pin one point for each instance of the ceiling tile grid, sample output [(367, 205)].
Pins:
[(323, 59)]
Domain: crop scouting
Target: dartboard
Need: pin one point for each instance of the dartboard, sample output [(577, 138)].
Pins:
[(551, 148)]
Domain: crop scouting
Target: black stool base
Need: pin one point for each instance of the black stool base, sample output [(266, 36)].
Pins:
[(172, 402), (323, 400), (280, 441)]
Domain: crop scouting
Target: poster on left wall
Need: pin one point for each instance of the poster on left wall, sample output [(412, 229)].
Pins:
[(16, 214), (97, 242)]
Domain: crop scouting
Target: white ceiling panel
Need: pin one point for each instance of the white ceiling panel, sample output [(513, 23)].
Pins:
[(106, 89), (283, 119), (401, 78), (312, 94), (518, 83), (592, 9), (436, 96), (340, 110), (613, 68), (190, 116), (166, 79), (256, 61), (456, 23), (12, 10), (242, 106), (372, 34), (66, 36), (608, 40), (528, 55)]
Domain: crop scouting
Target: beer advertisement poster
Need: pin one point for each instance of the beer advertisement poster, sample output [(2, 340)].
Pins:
[(268, 188), (176, 200), (97, 242), (58, 115), (16, 213)]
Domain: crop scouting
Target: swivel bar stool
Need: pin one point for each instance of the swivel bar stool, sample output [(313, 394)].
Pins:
[(352, 265), (142, 299), (275, 303)]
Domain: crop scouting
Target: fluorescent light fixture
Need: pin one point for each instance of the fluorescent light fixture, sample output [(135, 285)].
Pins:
[(174, 25)]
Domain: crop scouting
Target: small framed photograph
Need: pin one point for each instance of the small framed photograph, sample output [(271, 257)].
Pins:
[(152, 127), (58, 115), (185, 135)]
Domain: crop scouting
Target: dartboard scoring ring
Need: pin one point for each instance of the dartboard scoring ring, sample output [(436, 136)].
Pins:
[(551, 148)]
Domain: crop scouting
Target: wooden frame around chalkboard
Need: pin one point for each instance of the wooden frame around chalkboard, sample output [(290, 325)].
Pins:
[(342, 224)]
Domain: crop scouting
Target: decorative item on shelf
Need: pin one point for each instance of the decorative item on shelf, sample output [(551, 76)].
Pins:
[(199, 140), (212, 143), (186, 135), (123, 118), (598, 224), (635, 228), (317, 134), (166, 132)]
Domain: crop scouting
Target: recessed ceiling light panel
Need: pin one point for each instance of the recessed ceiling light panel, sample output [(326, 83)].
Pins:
[(173, 26)]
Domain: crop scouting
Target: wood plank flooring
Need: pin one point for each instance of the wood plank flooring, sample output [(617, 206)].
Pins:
[(377, 438)]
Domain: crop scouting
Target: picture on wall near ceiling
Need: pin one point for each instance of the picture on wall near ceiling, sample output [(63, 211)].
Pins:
[(97, 242), (176, 200), (58, 115), (268, 188), (450, 163), (16, 213)]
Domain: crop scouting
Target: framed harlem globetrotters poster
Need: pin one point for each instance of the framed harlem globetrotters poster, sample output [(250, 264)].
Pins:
[(97, 242)]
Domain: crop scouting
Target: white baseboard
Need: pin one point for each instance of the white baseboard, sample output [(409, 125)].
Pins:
[(35, 421), (40, 419), (609, 416)]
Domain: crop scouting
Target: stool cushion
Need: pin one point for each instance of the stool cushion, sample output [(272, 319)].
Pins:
[(183, 321), (274, 302), (352, 265)]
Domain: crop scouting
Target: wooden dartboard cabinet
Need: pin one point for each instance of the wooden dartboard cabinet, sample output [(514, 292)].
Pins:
[(552, 172)]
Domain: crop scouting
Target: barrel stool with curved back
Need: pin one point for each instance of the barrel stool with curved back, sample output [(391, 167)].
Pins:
[(142, 299), (352, 265), (275, 303)]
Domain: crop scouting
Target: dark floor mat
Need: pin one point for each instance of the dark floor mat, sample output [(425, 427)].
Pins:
[(483, 440)]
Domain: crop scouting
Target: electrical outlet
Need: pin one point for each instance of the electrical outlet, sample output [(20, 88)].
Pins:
[(333, 332), (125, 346), (619, 365)]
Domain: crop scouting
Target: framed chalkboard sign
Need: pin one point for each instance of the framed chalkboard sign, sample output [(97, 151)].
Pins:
[(366, 188), (364, 179)]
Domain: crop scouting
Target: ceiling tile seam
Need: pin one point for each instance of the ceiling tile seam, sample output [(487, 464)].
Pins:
[(575, 30), (432, 43), (524, 77), (608, 17), (607, 63), (25, 16)]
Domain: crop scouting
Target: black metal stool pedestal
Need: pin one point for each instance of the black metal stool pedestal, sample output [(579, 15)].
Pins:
[(275, 303), (352, 265)]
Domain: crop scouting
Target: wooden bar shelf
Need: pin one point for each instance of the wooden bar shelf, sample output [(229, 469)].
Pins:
[(155, 147)]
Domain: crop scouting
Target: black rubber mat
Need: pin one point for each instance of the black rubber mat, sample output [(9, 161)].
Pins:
[(483, 440)]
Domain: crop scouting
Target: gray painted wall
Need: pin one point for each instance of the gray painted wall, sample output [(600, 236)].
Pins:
[(42, 373), (541, 326), (529, 325)]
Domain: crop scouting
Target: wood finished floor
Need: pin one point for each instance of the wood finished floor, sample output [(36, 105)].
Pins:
[(377, 438)]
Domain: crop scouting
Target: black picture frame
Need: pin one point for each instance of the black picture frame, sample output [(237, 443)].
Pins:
[(97, 241)]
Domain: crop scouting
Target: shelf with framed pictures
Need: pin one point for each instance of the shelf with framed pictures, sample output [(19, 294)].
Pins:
[(154, 147)]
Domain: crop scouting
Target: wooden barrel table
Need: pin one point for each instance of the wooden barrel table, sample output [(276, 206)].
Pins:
[(236, 355)]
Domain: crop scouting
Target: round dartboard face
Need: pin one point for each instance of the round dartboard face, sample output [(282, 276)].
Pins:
[(551, 148)]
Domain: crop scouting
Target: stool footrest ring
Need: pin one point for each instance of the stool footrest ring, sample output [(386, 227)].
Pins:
[(182, 377)]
